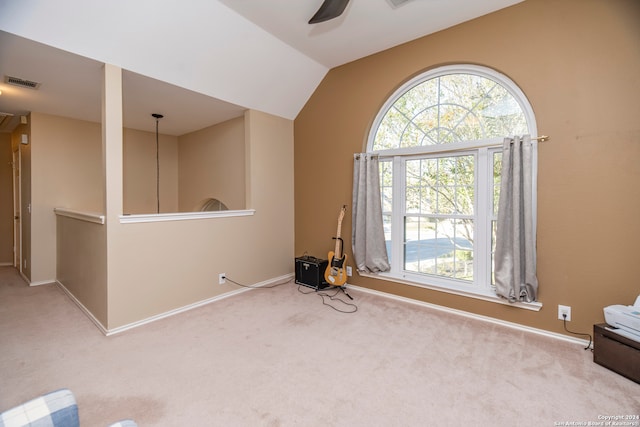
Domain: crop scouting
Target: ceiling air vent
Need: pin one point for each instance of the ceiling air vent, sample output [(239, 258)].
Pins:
[(17, 81)]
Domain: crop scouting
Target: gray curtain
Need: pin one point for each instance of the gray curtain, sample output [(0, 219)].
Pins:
[(367, 232), (515, 259)]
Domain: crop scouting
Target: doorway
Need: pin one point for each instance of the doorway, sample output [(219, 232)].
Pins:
[(17, 229)]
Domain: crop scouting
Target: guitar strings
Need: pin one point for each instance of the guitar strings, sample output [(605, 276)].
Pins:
[(336, 274)]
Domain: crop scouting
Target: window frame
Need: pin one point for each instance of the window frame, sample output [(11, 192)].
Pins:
[(483, 152)]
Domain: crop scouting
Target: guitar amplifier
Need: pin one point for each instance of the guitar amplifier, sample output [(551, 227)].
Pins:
[(310, 272)]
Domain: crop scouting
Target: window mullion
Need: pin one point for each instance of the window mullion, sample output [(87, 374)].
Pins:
[(397, 219), (483, 210)]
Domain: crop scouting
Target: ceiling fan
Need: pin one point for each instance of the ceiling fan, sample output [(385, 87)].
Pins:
[(333, 8)]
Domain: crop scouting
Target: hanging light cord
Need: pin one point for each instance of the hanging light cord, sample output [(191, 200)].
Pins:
[(157, 117), (157, 167)]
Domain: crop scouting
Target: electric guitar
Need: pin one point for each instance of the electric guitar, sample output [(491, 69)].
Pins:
[(335, 274)]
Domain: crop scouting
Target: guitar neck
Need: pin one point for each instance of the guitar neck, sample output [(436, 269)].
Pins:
[(338, 249)]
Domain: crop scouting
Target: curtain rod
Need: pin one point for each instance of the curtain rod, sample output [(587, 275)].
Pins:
[(541, 138), (357, 155)]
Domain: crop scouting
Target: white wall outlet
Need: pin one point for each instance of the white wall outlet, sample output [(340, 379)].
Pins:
[(349, 271), (564, 310), (222, 279)]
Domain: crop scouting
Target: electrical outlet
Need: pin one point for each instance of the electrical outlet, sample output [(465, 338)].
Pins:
[(222, 279), (564, 310), (349, 271)]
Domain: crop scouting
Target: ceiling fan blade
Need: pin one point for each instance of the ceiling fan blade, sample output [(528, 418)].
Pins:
[(328, 10)]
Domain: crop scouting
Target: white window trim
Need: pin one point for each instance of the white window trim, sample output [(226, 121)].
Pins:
[(483, 292), (94, 217)]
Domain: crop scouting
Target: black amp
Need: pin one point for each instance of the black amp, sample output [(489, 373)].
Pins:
[(310, 272)]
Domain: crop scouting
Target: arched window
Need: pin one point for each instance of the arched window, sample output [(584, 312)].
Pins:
[(439, 139)]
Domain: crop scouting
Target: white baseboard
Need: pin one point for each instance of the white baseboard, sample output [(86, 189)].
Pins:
[(38, 283), (517, 326), (26, 279), (512, 325), (194, 305), (84, 309), (119, 329), (42, 282)]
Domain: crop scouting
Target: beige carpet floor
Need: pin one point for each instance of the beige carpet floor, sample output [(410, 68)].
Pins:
[(280, 358)]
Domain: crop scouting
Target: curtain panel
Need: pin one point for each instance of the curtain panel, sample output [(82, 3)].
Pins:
[(367, 230), (515, 258)]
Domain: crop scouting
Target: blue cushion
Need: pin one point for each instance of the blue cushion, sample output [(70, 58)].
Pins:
[(55, 409)]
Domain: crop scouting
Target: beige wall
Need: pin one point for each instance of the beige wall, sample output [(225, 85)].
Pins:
[(157, 267), (65, 172), (202, 164), (82, 263), (578, 62), (212, 166), (140, 172), (124, 273)]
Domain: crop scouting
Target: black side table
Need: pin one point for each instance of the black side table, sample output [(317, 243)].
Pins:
[(616, 352)]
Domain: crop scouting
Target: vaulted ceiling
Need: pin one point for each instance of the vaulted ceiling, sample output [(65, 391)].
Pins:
[(198, 62)]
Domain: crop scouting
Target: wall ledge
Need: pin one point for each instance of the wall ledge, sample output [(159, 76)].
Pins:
[(182, 216), (82, 216)]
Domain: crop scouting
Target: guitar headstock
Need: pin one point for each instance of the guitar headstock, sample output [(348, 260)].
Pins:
[(342, 212)]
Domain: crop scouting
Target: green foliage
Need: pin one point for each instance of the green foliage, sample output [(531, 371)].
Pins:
[(442, 185)]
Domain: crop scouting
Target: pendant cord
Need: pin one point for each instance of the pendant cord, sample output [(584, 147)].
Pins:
[(157, 117), (157, 168)]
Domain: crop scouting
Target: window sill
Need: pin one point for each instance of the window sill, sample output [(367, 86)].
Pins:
[(533, 306), (183, 216)]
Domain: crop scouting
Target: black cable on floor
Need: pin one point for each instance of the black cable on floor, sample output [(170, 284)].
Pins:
[(333, 297), (257, 287), (321, 294), (564, 323)]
